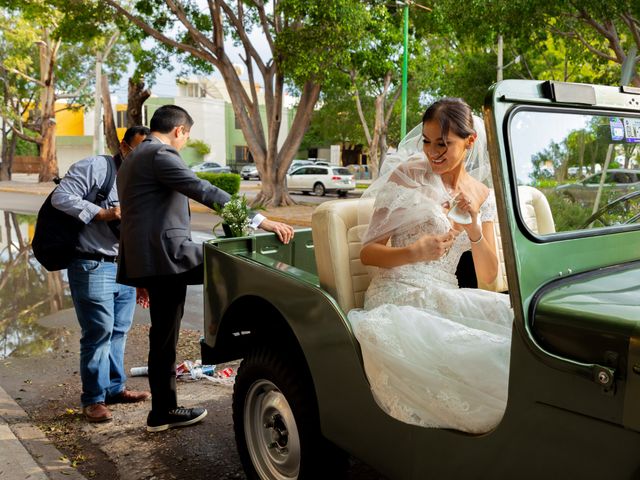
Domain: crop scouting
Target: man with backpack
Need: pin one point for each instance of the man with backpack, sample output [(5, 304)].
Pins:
[(104, 307)]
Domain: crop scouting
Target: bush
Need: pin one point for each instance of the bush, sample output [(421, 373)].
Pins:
[(229, 182), (567, 215), (199, 146)]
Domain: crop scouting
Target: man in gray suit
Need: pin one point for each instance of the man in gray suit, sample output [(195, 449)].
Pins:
[(157, 253)]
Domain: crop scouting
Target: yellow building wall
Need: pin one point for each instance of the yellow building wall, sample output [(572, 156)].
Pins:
[(70, 121)]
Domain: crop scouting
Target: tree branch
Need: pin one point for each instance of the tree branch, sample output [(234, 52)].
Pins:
[(195, 33), (363, 120), (160, 36), (633, 26), (241, 31), (27, 138), (23, 75)]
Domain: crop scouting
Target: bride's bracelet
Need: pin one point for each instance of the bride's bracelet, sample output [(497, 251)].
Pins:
[(475, 242)]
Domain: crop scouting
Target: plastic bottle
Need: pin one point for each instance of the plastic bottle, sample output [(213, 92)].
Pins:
[(139, 371)]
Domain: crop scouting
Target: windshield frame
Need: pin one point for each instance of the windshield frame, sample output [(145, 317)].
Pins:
[(509, 118)]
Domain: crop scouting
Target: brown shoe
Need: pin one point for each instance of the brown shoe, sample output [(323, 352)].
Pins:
[(97, 412), (129, 396)]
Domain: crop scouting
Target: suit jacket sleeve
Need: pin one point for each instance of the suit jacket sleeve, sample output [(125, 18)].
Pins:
[(171, 171)]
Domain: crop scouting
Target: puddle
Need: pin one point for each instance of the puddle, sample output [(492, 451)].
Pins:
[(28, 292)]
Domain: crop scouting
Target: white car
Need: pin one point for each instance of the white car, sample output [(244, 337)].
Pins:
[(321, 179)]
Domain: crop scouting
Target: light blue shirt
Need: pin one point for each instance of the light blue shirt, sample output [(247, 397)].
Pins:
[(96, 236)]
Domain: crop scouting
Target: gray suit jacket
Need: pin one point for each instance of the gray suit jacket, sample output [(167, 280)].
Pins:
[(154, 186)]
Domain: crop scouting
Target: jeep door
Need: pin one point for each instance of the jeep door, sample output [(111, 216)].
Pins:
[(575, 360)]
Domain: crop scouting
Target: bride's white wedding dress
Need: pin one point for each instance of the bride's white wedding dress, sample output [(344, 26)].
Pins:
[(435, 355)]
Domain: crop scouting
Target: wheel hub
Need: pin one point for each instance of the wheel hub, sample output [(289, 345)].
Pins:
[(271, 433)]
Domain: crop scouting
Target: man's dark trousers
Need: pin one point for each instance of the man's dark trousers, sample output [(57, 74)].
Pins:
[(167, 295)]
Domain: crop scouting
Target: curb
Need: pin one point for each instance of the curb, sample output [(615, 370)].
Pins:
[(26, 451)]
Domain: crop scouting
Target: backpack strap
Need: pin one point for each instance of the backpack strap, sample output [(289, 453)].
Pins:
[(99, 195), (107, 185)]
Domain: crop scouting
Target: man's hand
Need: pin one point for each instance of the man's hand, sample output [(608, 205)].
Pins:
[(284, 231), (108, 214), (142, 297)]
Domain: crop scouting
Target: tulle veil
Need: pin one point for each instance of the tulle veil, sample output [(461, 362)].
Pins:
[(385, 205)]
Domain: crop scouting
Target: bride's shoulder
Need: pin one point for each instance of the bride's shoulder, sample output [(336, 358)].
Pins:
[(480, 191)]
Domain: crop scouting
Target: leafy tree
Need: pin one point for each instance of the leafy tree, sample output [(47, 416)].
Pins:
[(305, 40), (53, 62)]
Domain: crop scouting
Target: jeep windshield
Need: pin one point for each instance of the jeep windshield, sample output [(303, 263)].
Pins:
[(586, 164)]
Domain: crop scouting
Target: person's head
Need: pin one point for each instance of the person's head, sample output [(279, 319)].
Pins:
[(132, 138), (447, 134), (172, 124)]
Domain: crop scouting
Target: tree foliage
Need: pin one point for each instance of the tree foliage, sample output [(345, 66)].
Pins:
[(304, 39)]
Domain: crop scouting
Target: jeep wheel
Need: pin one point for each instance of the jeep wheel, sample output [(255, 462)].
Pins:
[(318, 189), (276, 422)]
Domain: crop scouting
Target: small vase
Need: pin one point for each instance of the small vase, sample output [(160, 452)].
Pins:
[(229, 233)]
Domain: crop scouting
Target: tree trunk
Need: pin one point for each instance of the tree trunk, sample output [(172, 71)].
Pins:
[(49, 161), (7, 157), (109, 125), (136, 98)]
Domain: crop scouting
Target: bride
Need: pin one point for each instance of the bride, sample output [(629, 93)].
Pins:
[(436, 355)]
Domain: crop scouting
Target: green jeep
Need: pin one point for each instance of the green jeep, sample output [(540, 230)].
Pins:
[(301, 397)]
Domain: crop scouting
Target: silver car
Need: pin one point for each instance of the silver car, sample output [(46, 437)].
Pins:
[(249, 172), (617, 182), (210, 167)]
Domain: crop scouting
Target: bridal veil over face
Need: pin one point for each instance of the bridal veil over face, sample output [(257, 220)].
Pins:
[(408, 167)]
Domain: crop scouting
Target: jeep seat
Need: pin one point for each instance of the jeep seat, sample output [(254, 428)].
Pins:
[(336, 238)]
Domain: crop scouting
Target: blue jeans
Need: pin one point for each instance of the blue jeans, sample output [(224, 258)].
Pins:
[(105, 312)]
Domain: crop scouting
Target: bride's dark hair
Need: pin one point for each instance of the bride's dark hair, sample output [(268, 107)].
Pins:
[(453, 114)]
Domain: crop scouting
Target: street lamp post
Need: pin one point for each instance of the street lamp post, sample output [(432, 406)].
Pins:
[(405, 60), (405, 67)]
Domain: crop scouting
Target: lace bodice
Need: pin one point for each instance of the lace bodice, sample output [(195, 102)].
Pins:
[(392, 285), (440, 224)]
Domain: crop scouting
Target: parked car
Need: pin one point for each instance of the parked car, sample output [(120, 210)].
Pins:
[(298, 163), (211, 167), (617, 182), (321, 179), (249, 172), (302, 397)]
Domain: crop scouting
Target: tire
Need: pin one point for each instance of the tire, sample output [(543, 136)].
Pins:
[(276, 421), (319, 190), (342, 194)]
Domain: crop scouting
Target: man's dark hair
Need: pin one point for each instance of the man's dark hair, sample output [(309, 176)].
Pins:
[(133, 131), (168, 117)]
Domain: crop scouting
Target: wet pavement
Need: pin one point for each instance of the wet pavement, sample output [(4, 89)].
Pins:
[(27, 291)]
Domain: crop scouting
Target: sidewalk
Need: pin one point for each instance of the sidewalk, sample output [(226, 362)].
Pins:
[(25, 451)]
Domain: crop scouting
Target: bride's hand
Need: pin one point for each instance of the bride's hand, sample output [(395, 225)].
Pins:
[(432, 247), (469, 205)]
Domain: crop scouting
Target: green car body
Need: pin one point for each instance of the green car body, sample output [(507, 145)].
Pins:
[(574, 388)]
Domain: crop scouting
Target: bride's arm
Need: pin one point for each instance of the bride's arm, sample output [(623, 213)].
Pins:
[(427, 248), (484, 255)]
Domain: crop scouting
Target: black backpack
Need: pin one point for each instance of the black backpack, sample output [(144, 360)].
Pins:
[(56, 236)]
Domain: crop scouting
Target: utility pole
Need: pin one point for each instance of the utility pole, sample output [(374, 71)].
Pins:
[(500, 66), (98, 137), (405, 67)]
